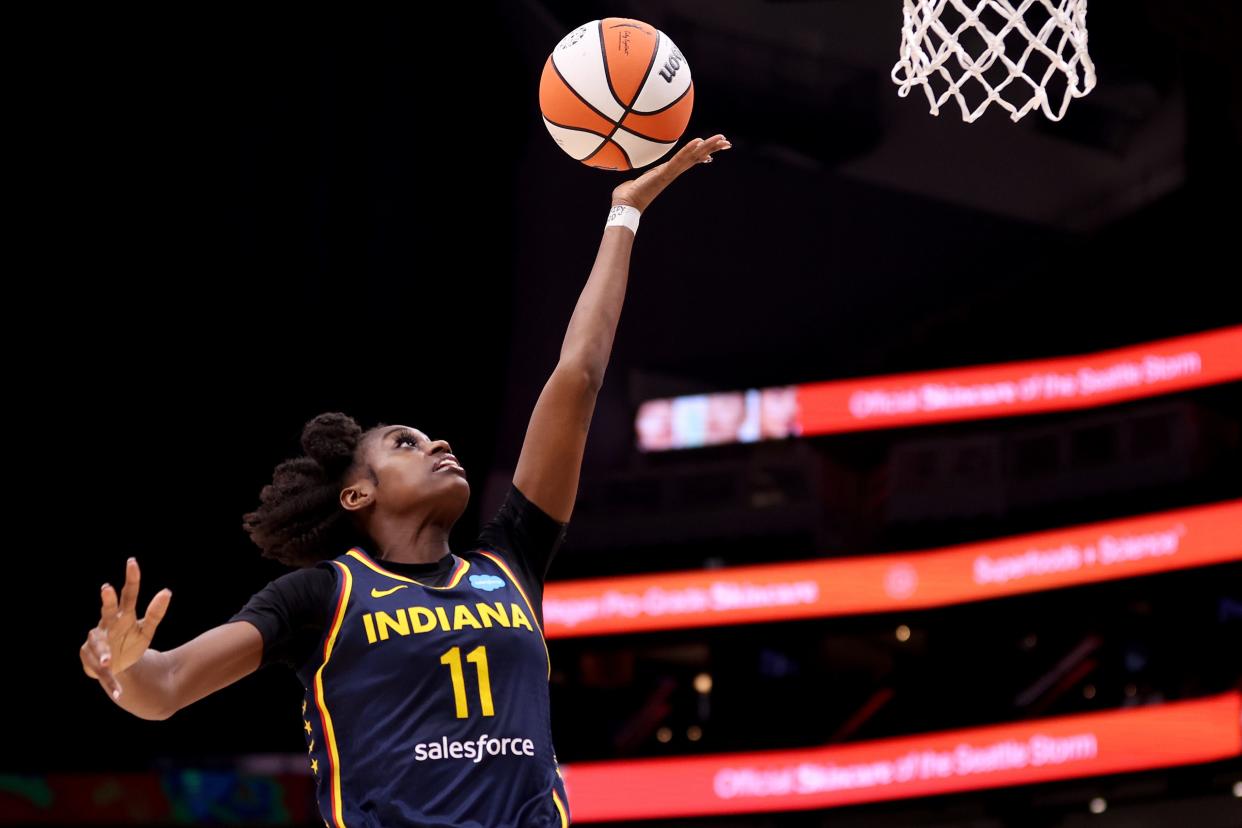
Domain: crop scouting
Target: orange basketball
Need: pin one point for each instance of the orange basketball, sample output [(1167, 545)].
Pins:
[(616, 94)]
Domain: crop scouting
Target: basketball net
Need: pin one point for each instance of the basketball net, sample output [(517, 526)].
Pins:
[(933, 55)]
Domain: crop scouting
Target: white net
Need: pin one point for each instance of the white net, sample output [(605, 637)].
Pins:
[(1015, 54)]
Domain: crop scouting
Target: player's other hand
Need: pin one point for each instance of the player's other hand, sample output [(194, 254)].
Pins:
[(121, 637), (642, 190)]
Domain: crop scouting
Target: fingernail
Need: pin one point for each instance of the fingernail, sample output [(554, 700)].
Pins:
[(105, 586), (116, 694), (104, 661), (131, 560)]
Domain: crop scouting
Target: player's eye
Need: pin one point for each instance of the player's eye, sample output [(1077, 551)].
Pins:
[(406, 438)]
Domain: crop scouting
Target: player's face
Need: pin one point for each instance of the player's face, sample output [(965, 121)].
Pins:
[(415, 471)]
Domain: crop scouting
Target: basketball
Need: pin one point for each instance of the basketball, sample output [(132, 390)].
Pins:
[(616, 94)]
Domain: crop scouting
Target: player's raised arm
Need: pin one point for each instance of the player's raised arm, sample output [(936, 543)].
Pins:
[(153, 684), (551, 459)]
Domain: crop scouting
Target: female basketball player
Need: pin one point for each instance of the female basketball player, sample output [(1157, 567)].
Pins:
[(425, 670)]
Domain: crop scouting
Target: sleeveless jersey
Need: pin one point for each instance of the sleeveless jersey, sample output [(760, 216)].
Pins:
[(428, 706)]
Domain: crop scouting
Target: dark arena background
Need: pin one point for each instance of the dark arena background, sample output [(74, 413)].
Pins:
[(983, 613)]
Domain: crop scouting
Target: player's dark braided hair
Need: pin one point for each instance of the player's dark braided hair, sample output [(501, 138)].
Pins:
[(300, 519)]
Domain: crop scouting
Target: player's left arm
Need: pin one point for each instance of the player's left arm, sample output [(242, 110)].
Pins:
[(551, 459)]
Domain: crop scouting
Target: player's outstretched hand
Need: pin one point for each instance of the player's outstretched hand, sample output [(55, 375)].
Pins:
[(121, 637), (642, 191)]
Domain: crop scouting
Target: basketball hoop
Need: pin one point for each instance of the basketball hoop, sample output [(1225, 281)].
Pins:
[(994, 43)]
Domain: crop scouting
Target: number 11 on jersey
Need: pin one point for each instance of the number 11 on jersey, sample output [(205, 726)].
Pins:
[(477, 657)]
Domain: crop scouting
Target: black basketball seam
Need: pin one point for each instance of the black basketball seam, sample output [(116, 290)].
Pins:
[(574, 128), (603, 56), (629, 109), (644, 137), (628, 160), (617, 124), (689, 86), (570, 87), (633, 131), (587, 104)]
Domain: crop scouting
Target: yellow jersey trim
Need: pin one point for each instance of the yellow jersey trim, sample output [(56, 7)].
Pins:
[(533, 617), (366, 560), (560, 809), (334, 758)]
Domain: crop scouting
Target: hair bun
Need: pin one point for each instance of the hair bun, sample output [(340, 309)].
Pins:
[(330, 440)]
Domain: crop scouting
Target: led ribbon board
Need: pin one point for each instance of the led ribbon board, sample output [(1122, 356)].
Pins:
[(1022, 753), (1180, 539), (902, 400)]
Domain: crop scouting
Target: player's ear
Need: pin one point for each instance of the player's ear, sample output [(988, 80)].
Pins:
[(357, 495)]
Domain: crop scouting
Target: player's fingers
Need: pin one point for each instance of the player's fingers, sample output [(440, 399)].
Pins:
[(687, 153), (703, 153), (155, 613), (97, 641), (97, 654), (108, 606), (110, 683), (90, 664), (129, 592), (714, 144)]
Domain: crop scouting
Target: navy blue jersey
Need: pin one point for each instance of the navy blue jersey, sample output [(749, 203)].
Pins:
[(392, 653), (428, 705)]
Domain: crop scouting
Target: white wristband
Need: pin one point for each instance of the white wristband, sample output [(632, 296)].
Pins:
[(623, 215)]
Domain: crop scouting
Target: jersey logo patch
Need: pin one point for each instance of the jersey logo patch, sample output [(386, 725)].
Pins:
[(487, 583), (380, 593)]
